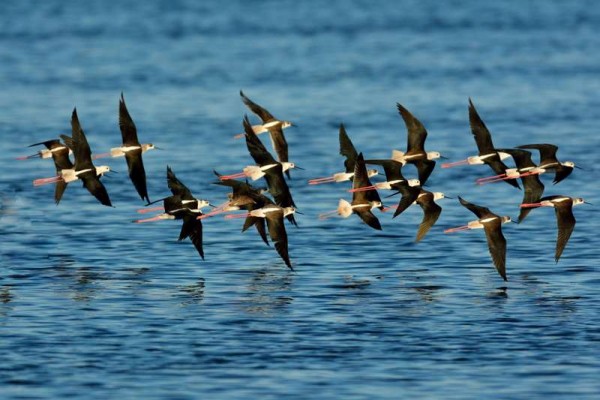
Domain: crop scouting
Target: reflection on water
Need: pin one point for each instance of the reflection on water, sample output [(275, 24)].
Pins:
[(268, 289), (192, 294)]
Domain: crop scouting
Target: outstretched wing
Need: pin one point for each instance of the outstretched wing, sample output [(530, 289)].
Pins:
[(95, 187), (347, 150), (262, 113), (416, 132), (497, 246), (279, 236), (177, 187), (482, 136), (409, 196), (566, 224), (257, 150), (431, 213), (192, 228), (368, 217), (137, 174), (425, 168), (128, 129), (479, 211)]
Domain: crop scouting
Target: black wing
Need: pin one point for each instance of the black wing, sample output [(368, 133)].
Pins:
[(562, 171), (280, 190), (173, 206), (431, 213), (128, 129), (361, 179), (566, 224), (279, 236), (497, 246), (259, 223), (137, 174), (59, 189), (547, 152), (532, 184), (279, 143), (50, 144), (534, 188), (257, 150), (177, 187), (61, 160), (391, 168), (95, 187), (263, 114), (347, 150), (425, 168), (522, 157), (409, 196), (483, 139), (480, 212), (368, 217), (192, 228), (416, 131), (79, 145)]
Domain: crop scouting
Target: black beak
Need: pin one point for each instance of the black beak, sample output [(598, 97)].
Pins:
[(298, 212), (112, 170), (587, 202), (212, 205), (578, 167), (297, 167), (443, 158), (448, 197), (158, 148)]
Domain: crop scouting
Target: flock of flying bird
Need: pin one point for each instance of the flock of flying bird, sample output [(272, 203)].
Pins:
[(267, 214)]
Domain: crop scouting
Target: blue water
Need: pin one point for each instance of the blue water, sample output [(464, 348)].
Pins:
[(93, 306)]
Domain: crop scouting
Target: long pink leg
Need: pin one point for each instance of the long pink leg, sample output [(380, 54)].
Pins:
[(491, 178), (36, 155), (363, 189), (327, 215), (45, 181), (530, 205), (454, 164), (100, 155), (235, 216), (232, 176), (151, 209), (217, 210), (141, 221), (318, 181), (457, 229)]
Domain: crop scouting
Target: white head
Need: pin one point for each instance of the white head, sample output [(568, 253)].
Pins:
[(578, 200), (568, 164), (414, 182), (202, 203), (438, 196), (432, 155), (372, 172), (288, 210), (375, 204), (287, 165), (286, 124), (147, 146), (101, 170), (506, 219)]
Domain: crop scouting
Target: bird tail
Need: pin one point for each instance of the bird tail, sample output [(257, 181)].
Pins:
[(344, 208)]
